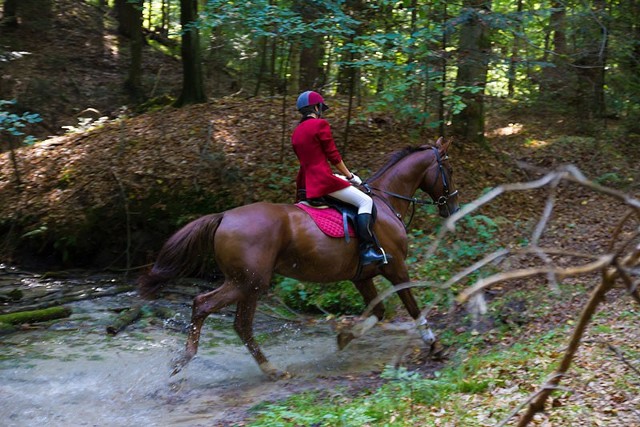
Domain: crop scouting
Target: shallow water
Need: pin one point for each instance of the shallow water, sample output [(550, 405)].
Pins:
[(74, 374)]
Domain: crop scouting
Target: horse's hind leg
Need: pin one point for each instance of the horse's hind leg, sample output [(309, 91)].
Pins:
[(203, 305), (369, 293), (243, 325)]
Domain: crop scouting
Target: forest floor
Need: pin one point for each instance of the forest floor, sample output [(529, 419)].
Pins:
[(63, 175)]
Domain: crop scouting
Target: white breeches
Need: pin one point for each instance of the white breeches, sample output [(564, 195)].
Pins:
[(354, 197)]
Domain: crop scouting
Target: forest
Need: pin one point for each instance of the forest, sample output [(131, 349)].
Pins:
[(121, 121)]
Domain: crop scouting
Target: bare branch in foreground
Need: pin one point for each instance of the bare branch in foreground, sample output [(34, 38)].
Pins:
[(527, 272), (537, 405), (617, 264)]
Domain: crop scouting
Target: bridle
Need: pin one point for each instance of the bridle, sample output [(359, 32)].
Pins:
[(413, 201)]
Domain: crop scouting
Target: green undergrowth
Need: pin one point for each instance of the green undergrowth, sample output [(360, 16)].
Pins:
[(488, 373), (406, 398)]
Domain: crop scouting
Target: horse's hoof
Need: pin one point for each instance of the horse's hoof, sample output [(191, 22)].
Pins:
[(437, 351), (274, 373), (180, 363), (344, 338)]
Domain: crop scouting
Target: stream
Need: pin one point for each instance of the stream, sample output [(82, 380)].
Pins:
[(70, 372)]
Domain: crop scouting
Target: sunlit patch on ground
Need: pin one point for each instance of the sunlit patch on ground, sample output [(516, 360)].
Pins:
[(535, 143), (510, 129)]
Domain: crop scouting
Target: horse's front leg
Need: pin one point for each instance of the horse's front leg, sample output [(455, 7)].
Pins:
[(398, 277), (243, 325), (369, 293), (422, 325), (203, 305)]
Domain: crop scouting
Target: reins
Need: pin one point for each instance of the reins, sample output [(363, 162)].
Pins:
[(413, 201)]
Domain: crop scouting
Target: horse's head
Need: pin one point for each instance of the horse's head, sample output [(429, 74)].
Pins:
[(438, 181)]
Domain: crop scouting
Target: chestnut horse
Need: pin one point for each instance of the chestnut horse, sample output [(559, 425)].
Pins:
[(250, 243)]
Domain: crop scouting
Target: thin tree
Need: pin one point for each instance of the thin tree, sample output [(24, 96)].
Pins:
[(591, 61), (473, 59), (192, 77), (311, 49), (9, 16), (515, 52), (554, 78), (133, 16)]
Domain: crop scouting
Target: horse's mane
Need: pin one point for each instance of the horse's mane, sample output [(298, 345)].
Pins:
[(395, 158)]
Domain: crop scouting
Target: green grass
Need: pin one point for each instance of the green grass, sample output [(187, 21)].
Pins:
[(407, 398)]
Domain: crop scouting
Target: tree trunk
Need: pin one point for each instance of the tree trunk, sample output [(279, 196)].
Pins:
[(263, 65), (311, 75), (272, 67), (192, 79), (554, 78), (122, 11), (513, 61), (442, 115), (133, 83), (294, 68), (311, 72), (591, 62), (386, 12), (356, 9), (630, 63), (9, 14), (473, 60), (14, 160)]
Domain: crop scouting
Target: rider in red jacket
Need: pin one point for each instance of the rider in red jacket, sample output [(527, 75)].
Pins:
[(315, 148)]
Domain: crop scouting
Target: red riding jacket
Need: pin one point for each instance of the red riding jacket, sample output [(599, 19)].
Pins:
[(314, 145)]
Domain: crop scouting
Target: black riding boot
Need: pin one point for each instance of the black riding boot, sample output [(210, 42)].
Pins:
[(368, 251)]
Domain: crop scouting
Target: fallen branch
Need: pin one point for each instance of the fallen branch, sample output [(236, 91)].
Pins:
[(125, 318), (537, 405), (34, 316), (52, 299), (615, 350), (531, 397)]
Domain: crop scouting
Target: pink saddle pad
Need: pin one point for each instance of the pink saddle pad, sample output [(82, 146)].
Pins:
[(328, 220)]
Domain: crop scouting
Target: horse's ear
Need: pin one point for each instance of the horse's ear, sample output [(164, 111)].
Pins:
[(442, 145)]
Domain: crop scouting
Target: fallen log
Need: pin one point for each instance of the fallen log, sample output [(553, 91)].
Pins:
[(33, 316), (124, 319), (64, 297)]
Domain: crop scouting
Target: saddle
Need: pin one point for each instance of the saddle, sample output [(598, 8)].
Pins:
[(327, 212)]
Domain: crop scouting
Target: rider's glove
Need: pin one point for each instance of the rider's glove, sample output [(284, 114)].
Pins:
[(355, 179)]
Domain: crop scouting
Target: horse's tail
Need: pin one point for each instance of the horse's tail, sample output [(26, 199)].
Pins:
[(188, 253)]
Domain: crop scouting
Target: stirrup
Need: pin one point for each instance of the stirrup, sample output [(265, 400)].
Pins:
[(384, 255), (366, 261)]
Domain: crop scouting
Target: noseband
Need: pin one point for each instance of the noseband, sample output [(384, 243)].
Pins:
[(442, 200)]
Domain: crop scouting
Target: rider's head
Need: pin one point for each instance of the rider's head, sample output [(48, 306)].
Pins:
[(311, 102)]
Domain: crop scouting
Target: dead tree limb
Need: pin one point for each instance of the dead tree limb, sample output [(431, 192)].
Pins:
[(597, 296), (622, 357), (617, 264)]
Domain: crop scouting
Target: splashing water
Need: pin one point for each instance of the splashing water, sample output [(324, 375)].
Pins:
[(73, 373)]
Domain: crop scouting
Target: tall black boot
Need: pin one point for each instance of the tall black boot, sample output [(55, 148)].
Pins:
[(368, 250)]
